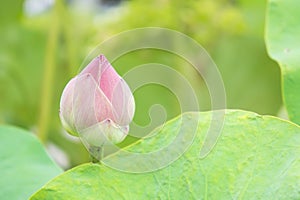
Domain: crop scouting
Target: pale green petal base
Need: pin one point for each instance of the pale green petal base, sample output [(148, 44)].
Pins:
[(100, 134)]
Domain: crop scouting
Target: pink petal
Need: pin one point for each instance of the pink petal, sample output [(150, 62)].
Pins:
[(66, 107), (103, 107), (114, 88), (109, 77), (89, 104), (123, 103), (93, 68), (118, 92), (103, 73)]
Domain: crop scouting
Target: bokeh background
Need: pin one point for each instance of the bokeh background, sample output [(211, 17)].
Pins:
[(43, 44)]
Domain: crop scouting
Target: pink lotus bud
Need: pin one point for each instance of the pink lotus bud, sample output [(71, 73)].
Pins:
[(97, 104)]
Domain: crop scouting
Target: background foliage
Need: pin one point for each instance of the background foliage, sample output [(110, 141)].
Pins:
[(45, 43), (42, 49)]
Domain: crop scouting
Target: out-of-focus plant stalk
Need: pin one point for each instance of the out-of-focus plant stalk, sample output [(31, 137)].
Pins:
[(49, 72), (68, 34)]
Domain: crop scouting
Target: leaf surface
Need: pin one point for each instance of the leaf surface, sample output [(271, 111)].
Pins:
[(256, 157), (283, 44), (25, 165)]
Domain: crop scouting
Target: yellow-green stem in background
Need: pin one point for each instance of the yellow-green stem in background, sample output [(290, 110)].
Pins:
[(48, 76)]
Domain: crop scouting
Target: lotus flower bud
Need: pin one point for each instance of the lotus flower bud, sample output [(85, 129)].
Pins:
[(97, 104)]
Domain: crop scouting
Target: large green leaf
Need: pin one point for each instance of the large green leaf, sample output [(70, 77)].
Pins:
[(256, 157), (25, 166), (282, 38)]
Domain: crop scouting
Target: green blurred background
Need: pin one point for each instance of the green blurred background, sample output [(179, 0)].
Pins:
[(43, 43)]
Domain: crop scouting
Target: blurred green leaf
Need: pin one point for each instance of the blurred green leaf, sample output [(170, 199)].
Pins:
[(256, 157), (10, 11), (282, 38), (251, 78), (21, 65), (232, 33), (25, 165), (227, 29)]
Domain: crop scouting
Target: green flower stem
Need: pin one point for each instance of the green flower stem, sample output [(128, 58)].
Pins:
[(48, 76), (96, 154)]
